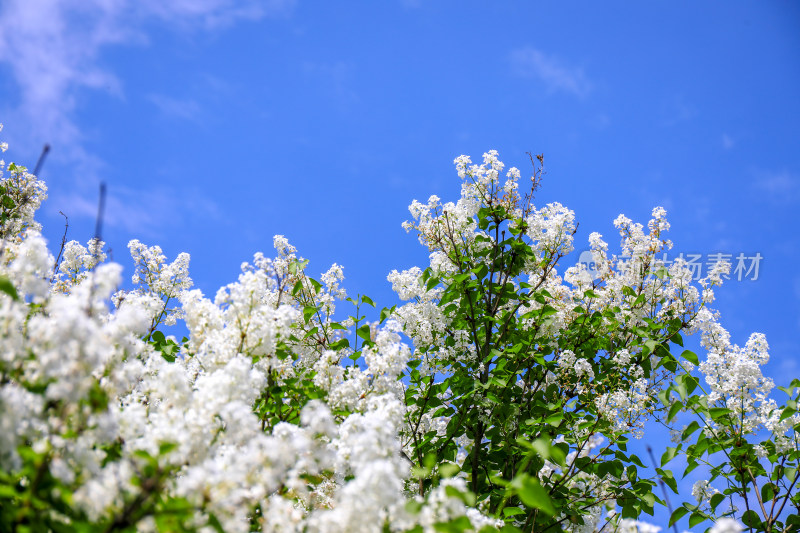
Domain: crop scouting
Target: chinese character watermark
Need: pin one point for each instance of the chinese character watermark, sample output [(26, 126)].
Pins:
[(743, 267)]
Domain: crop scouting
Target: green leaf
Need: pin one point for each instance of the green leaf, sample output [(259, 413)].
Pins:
[(716, 499), (166, 447), (214, 522), (413, 506), (433, 282), (364, 332), (316, 284), (691, 428), (627, 291), (691, 357), (448, 470), (786, 413), (547, 310), (532, 494), (679, 513), (718, 412), (308, 312), (669, 454), (297, 266), (750, 519), (677, 339), (664, 396), (690, 382), (767, 491), (674, 410), (7, 492), (548, 451), (650, 499), (554, 419), (668, 479), (386, 312), (692, 464), (480, 271), (697, 518), (467, 497), (461, 278), (298, 286), (7, 287), (338, 345), (649, 346), (455, 525)]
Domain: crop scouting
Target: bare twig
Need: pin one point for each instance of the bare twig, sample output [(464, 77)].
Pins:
[(38, 167), (63, 244), (663, 488), (101, 206), (98, 232)]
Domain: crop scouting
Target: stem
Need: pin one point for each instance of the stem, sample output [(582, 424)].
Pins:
[(663, 487)]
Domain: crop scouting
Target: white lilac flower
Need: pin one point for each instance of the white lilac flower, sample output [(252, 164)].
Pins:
[(726, 525), (702, 491)]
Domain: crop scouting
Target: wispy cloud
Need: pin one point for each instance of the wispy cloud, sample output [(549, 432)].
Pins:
[(676, 110), (52, 47), (728, 142), (125, 208), (337, 78), (186, 109), (52, 50), (780, 187), (557, 76), (210, 14)]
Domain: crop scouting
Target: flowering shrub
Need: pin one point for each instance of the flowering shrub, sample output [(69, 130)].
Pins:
[(501, 396)]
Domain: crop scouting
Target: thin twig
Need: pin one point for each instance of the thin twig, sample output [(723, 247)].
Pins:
[(98, 232), (38, 167), (663, 488), (63, 244)]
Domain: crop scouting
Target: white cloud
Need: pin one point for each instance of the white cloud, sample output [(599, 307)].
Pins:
[(142, 212), (677, 111), (52, 51), (780, 186), (186, 109), (727, 141), (51, 54), (532, 63), (210, 14), (336, 78), (52, 48)]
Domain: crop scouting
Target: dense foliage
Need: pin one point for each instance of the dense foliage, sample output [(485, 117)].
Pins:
[(503, 395)]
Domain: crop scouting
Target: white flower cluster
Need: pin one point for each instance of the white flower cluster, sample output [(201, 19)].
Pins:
[(735, 380), (77, 262), (87, 387), (628, 293), (255, 423), (627, 409), (702, 491), (158, 283)]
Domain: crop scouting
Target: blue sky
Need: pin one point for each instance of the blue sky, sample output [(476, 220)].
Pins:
[(219, 123)]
